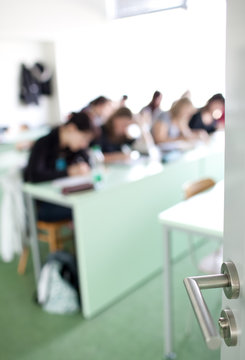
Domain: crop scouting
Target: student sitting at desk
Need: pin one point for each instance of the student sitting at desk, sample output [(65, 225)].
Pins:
[(211, 116), (153, 108), (62, 152), (114, 136), (59, 154), (99, 110), (173, 124)]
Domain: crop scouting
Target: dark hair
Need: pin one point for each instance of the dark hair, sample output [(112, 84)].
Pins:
[(121, 112), (216, 97), (82, 121), (156, 95), (99, 101), (152, 104)]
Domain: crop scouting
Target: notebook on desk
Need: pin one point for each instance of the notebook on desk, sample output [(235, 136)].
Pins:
[(172, 150), (178, 145), (70, 185), (71, 181), (77, 188)]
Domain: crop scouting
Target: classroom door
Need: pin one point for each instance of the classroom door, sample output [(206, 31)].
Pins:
[(234, 210), (234, 220)]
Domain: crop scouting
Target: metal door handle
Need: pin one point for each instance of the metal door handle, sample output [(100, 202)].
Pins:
[(229, 281)]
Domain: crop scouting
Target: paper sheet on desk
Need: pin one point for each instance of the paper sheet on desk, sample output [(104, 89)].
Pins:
[(176, 145), (71, 181)]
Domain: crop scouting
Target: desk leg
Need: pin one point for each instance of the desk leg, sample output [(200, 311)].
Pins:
[(79, 228), (167, 315), (33, 237)]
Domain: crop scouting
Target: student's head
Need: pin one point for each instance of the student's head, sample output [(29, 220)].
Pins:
[(123, 100), (182, 109), (119, 121), (216, 106), (156, 100), (78, 132), (102, 106)]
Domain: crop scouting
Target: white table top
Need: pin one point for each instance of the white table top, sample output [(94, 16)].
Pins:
[(115, 176), (201, 213), (118, 175)]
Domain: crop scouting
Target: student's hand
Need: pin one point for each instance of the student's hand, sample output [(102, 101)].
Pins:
[(78, 169), (203, 135), (117, 157)]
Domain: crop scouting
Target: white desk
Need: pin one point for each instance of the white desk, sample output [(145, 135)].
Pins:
[(117, 237), (202, 215), (114, 231)]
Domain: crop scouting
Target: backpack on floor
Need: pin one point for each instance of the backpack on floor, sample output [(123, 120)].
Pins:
[(57, 291)]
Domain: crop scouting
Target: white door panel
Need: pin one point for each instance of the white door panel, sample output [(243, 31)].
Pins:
[(234, 205), (234, 220)]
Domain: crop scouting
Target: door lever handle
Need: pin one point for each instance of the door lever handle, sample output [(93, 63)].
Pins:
[(229, 281)]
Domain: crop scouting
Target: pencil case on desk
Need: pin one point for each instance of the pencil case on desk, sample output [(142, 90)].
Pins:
[(76, 188)]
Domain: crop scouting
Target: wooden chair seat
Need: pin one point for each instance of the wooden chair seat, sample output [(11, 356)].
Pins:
[(51, 233), (196, 187)]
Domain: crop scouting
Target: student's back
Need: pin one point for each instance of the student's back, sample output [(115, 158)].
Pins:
[(62, 152), (58, 154), (48, 161)]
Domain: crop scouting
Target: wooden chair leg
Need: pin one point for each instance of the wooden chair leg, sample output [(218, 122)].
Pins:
[(53, 243), (23, 260)]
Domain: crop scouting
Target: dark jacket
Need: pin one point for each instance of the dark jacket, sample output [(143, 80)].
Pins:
[(34, 82), (197, 123), (48, 161), (29, 87)]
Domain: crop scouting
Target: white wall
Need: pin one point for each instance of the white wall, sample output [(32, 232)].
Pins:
[(171, 51), (28, 32), (46, 19)]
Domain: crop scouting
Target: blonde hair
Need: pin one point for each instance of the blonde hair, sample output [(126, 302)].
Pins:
[(178, 105)]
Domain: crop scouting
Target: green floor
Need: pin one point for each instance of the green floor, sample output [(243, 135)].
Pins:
[(129, 330)]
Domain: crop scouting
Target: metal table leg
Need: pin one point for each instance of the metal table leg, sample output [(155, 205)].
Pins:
[(167, 316), (33, 237)]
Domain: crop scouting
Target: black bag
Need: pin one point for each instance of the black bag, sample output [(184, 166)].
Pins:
[(29, 87)]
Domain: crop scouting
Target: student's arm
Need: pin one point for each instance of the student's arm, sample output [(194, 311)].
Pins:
[(160, 132), (38, 170), (116, 156)]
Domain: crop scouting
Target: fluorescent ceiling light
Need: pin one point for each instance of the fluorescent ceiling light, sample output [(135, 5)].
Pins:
[(125, 8)]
